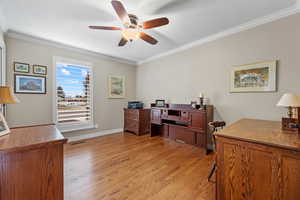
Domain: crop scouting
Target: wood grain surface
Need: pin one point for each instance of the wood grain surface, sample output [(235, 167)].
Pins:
[(263, 132), (125, 166), (251, 168), (23, 138), (31, 164)]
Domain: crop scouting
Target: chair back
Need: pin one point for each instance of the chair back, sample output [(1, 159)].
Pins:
[(216, 126)]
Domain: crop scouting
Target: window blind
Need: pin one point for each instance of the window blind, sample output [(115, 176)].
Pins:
[(74, 94)]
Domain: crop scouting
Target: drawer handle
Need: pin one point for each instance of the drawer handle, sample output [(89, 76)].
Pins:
[(180, 141)]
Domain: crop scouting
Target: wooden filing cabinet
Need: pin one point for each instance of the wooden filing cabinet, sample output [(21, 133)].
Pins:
[(137, 121)]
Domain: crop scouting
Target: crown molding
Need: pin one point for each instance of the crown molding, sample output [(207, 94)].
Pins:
[(25, 37), (243, 27)]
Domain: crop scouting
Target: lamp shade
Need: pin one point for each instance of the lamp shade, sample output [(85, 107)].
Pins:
[(289, 100), (7, 96)]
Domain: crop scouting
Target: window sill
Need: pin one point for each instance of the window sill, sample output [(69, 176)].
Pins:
[(75, 127)]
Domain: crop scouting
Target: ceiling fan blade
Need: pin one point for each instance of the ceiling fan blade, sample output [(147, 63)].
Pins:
[(121, 11), (155, 23), (122, 42), (148, 38), (105, 28)]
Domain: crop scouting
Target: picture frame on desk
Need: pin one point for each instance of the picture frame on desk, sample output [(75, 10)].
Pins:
[(4, 129), (160, 103)]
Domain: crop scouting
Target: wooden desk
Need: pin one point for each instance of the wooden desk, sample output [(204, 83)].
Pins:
[(182, 123), (257, 160), (31, 164)]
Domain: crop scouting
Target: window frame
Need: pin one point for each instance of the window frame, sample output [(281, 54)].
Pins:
[(72, 126), (2, 64), (3, 61)]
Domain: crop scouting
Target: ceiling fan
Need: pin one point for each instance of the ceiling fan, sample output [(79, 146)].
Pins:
[(132, 27)]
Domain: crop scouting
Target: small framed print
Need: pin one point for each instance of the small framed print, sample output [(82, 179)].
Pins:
[(160, 103), (116, 87), (27, 84), (21, 67), (3, 126), (39, 69)]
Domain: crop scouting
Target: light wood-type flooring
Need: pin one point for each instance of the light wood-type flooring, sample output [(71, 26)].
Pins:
[(128, 167)]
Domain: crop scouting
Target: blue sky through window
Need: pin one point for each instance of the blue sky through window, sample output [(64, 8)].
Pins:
[(71, 79)]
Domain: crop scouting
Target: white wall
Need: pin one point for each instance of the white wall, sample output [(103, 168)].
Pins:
[(2, 24), (205, 68), (1, 35), (37, 109)]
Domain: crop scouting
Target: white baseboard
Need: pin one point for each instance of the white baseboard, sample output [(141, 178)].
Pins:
[(93, 135)]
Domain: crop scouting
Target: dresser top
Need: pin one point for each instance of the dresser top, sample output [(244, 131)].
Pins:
[(263, 132), (30, 137)]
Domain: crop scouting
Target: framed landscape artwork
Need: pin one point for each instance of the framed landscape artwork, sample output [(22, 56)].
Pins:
[(21, 67), (255, 77), (26, 84), (116, 87), (39, 69)]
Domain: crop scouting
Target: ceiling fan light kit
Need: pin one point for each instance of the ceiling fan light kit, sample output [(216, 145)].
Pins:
[(132, 29)]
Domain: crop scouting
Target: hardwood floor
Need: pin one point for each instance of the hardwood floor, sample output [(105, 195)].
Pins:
[(128, 167)]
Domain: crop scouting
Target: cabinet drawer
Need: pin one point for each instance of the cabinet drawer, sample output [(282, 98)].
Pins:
[(131, 125), (197, 121), (132, 114), (184, 115), (164, 114), (156, 116), (165, 130), (182, 134), (185, 135)]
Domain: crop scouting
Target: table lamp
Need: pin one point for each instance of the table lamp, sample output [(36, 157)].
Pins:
[(7, 97), (290, 101)]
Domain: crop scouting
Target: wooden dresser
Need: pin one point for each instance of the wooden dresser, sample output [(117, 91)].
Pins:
[(31, 164), (137, 121), (256, 160), (182, 123)]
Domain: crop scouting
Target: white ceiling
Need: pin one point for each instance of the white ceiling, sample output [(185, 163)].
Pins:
[(67, 21)]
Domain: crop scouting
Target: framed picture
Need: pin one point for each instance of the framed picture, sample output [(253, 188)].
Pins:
[(26, 84), (3, 126), (39, 69), (21, 67), (160, 103), (255, 77), (116, 87)]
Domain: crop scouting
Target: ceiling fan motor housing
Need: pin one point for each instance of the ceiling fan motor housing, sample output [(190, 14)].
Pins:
[(132, 28), (134, 21)]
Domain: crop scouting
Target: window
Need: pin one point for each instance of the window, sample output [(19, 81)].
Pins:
[(73, 89)]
